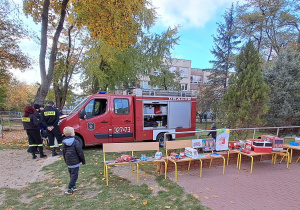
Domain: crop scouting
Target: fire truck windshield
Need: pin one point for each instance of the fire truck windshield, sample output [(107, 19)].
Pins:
[(78, 106)]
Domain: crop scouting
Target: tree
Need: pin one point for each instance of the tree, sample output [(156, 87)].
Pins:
[(271, 24), (68, 63), (19, 94), (11, 56), (245, 102), (226, 44), (283, 77), (115, 22), (110, 68), (165, 80)]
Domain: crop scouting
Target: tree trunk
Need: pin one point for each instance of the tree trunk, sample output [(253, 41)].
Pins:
[(46, 79)]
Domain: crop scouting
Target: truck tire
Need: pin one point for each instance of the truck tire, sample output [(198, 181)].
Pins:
[(160, 139)]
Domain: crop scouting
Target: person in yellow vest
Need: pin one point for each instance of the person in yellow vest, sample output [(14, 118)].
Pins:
[(50, 118), (32, 126)]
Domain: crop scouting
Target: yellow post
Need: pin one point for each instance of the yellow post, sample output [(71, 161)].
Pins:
[(223, 165), (228, 157), (200, 168), (251, 164)]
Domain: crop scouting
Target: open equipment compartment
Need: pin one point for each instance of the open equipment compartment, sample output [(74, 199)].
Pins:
[(166, 114), (155, 114)]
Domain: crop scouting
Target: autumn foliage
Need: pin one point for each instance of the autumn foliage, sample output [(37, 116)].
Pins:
[(111, 20)]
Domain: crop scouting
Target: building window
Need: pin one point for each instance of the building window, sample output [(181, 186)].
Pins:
[(183, 72), (183, 86), (173, 69), (145, 85), (195, 79), (156, 72)]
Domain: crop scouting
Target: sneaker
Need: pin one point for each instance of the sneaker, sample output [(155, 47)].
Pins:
[(43, 156), (69, 192), (54, 153), (74, 188)]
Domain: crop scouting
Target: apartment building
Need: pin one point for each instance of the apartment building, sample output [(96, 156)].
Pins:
[(191, 78)]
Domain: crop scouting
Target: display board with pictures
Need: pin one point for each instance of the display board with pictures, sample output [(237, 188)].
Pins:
[(222, 139), (208, 145), (197, 143)]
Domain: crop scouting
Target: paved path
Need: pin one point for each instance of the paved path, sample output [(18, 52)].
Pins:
[(268, 187)]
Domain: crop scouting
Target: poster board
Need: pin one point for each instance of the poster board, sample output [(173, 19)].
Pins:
[(197, 143), (222, 139), (208, 145)]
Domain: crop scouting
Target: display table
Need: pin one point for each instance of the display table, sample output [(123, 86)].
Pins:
[(289, 147), (283, 154), (251, 155), (233, 151), (206, 156)]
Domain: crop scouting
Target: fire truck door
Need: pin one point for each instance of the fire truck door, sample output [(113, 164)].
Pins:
[(122, 119), (95, 127)]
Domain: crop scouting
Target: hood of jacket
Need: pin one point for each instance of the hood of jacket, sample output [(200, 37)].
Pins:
[(69, 141)]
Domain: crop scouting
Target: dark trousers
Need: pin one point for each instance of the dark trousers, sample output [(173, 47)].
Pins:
[(34, 139), (54, 133), (73, 176)]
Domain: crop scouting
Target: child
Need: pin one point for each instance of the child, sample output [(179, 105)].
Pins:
[(73, 155)]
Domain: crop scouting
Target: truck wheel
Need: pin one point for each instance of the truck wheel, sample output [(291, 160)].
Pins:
[(160, 139)]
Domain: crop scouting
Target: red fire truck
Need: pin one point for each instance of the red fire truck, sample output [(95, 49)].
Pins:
[(104, 118)]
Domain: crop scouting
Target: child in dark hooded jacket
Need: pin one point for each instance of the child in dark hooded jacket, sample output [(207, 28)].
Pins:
[(73, 156)]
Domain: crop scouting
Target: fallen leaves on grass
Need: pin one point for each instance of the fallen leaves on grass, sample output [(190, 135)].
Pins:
[(14, 138), (145, 203), (39, 196), (196, 196)]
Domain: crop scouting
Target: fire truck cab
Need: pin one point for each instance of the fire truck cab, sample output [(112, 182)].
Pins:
[(104, 118)]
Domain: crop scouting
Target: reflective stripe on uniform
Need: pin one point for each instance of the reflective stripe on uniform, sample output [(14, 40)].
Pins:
[(40, 145), (33, 145), (52, 146), (25, 119), (49, 113)]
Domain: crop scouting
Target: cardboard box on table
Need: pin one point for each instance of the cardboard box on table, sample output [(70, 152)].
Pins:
[(277, 142)]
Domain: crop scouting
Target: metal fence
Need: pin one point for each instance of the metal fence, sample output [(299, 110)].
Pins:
[(198, 133), (11, 114)]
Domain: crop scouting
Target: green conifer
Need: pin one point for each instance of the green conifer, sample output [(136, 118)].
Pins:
[(245, 102)]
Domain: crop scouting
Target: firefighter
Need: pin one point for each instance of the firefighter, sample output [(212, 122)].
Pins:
[(32, 126), (50, 118)]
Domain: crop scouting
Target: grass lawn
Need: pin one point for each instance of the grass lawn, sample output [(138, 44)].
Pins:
[(92, 190)]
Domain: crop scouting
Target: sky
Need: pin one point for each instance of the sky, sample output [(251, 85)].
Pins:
[(196, 20)]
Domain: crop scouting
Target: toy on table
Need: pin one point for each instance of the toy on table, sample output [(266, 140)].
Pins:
[(126, 158)]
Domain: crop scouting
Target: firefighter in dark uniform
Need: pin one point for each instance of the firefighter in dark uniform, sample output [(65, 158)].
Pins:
[(32, 126), (50, 118)]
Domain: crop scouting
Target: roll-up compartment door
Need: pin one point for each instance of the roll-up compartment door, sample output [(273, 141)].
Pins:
[(179, 114)]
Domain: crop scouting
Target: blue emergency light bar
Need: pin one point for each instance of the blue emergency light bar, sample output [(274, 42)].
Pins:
[(102, 92)]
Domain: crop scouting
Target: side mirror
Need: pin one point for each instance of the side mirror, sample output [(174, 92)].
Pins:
[(82, 114)]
